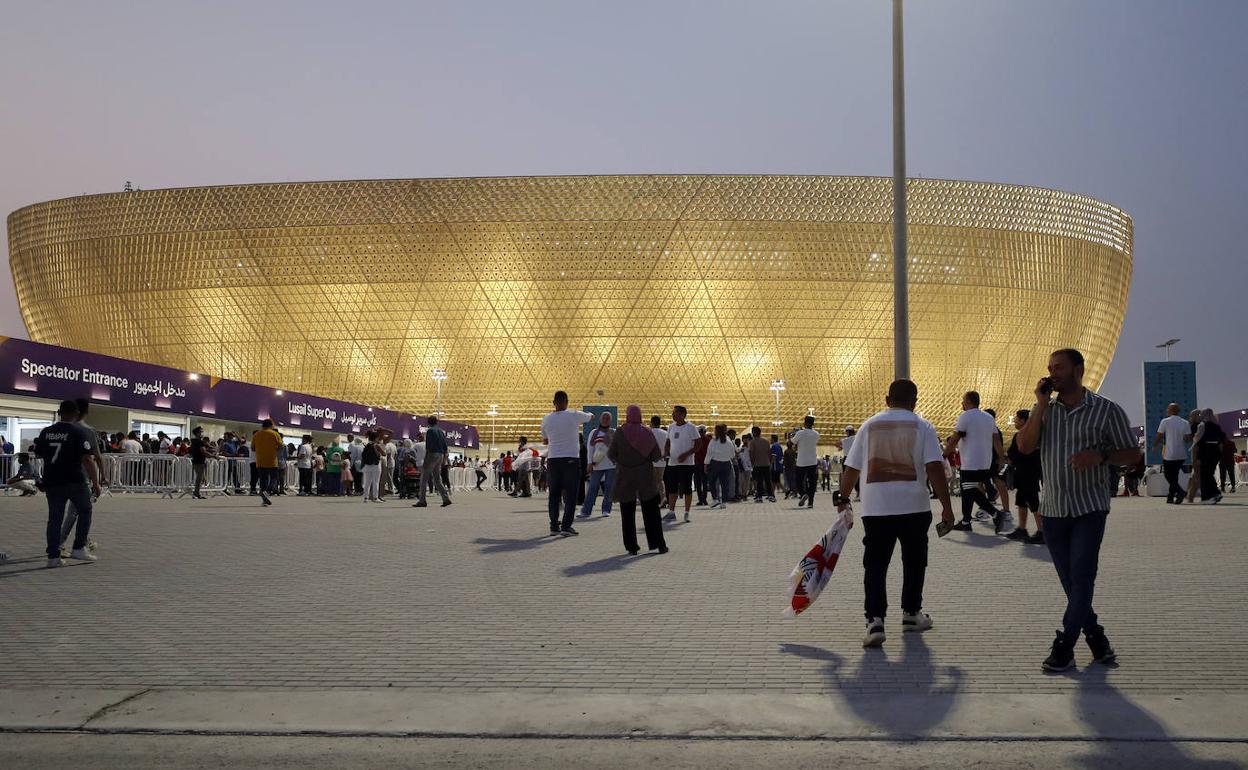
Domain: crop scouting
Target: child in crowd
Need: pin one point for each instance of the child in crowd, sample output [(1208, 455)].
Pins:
[(348, 480), (411, 479)]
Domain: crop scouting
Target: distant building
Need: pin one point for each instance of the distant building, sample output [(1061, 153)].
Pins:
[(1166, 382)]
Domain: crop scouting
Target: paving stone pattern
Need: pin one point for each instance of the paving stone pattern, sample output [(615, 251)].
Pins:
[(316, 593)]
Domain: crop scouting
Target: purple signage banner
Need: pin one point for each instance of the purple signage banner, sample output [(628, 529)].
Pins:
[(47, 371), (1234, 423)]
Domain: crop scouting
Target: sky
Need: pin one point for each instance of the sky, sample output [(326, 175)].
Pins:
[(1140, 103)]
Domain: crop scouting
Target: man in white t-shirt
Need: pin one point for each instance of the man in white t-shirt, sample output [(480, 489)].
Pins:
[(1175, 432), (561, 432), (806, 441), (846, 444), (895, 453), (973, 437), (303, 461), (679, 449), (660, 465)]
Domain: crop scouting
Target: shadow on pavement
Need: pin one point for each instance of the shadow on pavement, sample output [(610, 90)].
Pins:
[(1109, 712), (609, 564), (500, 545), (913, 674)]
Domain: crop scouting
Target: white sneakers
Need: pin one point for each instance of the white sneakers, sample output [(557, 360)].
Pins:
[(54, 563), (920, 621), (686, 517), (81, 554), (875, 633)]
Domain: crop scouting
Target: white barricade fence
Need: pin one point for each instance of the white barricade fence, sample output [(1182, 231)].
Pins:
[(237, 473)]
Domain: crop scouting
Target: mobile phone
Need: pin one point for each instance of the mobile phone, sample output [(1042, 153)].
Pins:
[(1046, 385), (942, 528)]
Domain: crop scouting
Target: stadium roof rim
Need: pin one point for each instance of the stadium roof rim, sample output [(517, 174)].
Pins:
[(1017, 185)]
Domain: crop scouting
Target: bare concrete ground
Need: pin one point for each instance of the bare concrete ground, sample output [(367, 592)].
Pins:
[(139, 752)]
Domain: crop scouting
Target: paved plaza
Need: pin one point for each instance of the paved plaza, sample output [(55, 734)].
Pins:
[(338, 617)]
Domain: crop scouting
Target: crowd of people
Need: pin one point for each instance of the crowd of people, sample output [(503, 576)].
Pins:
[(1071, 453)]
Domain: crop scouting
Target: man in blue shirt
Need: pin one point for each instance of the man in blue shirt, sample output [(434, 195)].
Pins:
[(67, 450), (435, 455)]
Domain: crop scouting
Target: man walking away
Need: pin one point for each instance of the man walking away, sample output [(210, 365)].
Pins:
[(975, 432), (1208, 442), (897, 454), (265, 444), (660, 465), (806, 441), (561, 432), (700, 481), (1079, 434), (760, 462), (1226, 467), (431, 472), (67, 450), (1173, 433)]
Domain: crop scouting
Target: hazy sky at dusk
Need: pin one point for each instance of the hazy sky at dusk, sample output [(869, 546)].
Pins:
[(1140, 103)]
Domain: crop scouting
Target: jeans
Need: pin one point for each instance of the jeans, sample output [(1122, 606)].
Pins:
[(432, 476), (720, 480), (1075, 545), (267, 479), (372, 482), (603, 479), (333, 482), (881, 534), (200, 470), (58, 496), (1171, 470), (807, 481), (233, 466), (481, 475), (563, 478)]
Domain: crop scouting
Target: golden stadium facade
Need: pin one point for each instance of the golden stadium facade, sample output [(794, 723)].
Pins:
[(699, 290)]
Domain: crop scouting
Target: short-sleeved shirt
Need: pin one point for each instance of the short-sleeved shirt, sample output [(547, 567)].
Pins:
[(807, 442), (977, 429), (601, 436), (265, 444), (198, 454), (1174, 430), (333, 459), (892, 450), (62, 446), (1093, 423), (682, 438), (304, 454), (562, 429), (660, 437)]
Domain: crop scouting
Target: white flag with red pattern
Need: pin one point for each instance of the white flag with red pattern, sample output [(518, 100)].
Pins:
[(812, 573)]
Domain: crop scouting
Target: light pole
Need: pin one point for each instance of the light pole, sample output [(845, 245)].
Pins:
[(439, 376), (1167, 345), (901, 308), (776, 387), (493, 413)]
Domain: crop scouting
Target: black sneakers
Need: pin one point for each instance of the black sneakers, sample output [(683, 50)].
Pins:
[(1102, 651), (1037, 538), (1019, 535), (1061, 656), (568, 532), (963, 526)]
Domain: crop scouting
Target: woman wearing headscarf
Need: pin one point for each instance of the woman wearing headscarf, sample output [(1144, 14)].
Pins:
[(601, 469), (633, 450)]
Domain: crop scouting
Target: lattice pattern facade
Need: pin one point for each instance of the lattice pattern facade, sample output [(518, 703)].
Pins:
[(653, 289)]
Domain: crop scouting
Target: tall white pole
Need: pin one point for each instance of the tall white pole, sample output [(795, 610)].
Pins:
[(901, 309)]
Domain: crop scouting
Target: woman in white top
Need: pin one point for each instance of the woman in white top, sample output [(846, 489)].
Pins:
[(719, 455)]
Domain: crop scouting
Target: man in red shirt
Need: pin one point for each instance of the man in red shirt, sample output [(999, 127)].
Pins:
[(507, 475), (699, 462)]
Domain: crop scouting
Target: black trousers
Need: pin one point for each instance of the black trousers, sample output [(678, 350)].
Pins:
[(881, 534), (650, 519), (1226, 471), (1171, 470), (972, 494), (808, 480), (762, 483), (305, 480), (699, 482), (563, 479), (1208, 479)]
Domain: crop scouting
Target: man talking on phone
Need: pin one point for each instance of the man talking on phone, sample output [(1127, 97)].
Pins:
[(1080, 435), (896, 453)]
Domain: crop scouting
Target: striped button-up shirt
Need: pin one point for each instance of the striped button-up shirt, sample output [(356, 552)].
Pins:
[(1093, 423)]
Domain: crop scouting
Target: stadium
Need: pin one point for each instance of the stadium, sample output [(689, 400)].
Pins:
[(704, 290)]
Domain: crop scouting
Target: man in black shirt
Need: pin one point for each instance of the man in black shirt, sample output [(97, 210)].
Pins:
[(67, 450), (201, 450), (1026, 485)]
